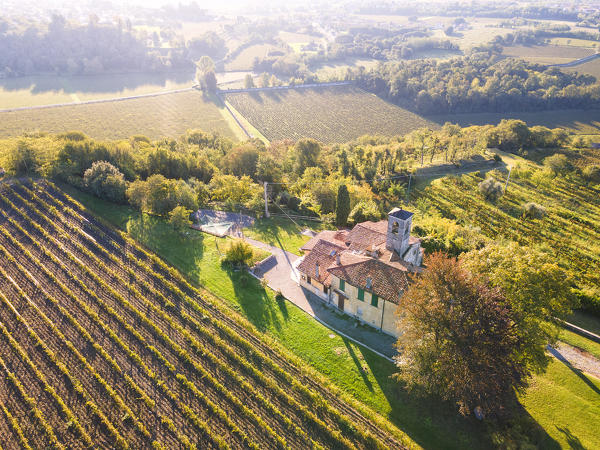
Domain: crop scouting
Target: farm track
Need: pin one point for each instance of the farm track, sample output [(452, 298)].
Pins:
[(176, 367)]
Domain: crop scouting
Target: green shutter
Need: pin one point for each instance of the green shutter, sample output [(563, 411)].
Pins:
[(361, 294), (374, 299), (342, 285)]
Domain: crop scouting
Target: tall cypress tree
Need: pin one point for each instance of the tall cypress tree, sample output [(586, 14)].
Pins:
[(342, 207)]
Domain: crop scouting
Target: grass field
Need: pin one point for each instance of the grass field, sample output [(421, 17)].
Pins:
[(337, 69), (168, 115), (281, 232), (548, 54), (244, 60), (330, 114), (102, 342), (588, 68), (429, 422), (577, 121), (53, 89)]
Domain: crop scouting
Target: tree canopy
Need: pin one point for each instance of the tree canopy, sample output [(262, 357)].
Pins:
[(458, 338)]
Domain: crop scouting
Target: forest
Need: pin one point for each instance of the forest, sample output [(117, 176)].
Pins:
[(479, 83), (71, 49)]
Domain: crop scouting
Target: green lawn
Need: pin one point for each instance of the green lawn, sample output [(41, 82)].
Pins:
[(282, 232), (566, 403), (358, 372), (583, 343)]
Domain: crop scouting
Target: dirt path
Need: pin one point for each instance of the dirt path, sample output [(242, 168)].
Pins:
[(577, 358)]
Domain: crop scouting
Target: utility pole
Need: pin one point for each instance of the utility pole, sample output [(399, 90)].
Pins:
[(408, 190), (266, 200), (507, 179)]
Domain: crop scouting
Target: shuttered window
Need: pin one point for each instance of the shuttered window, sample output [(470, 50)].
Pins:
[(342, 285), (361, 294), (374, 300)]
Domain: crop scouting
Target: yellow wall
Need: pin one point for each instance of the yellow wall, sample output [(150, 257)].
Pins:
[(364, 311)]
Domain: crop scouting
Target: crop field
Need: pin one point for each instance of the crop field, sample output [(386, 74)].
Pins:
[(54, 89), (103, 344), (578, 121), (244, 60), (328, 114), (588, 68), (548, 54), (167, 115)]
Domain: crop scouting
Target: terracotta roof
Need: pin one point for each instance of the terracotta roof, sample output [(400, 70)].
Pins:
[(380, 227), (365, 237), (387, 281), (334, 236), (324, 254)]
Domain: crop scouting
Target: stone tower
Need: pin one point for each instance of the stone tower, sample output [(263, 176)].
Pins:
[(398, 231)]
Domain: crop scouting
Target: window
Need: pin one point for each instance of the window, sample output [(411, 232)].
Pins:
[(308, 279), (361, 294), (374, 301), (395, 227), (342, 285)]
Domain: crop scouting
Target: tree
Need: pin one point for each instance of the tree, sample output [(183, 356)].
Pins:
[(458, 339), (205, 74), (491, 189), (363, 211), (342, 206), (263, 81), (539, 293), (179, 218), (306, 154), (533, 210), (238, 253), (105, 181), (248, 82), (558, 163), (22, 160), (592, 173)]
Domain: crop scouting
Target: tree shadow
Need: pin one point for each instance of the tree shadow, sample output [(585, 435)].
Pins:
[(257, 306), (572, 440), (434, 423), (358, 364), (574, 369)]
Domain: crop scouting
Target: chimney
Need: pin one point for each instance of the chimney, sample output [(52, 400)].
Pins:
[(317, 270), (369, 283), (338, 259)]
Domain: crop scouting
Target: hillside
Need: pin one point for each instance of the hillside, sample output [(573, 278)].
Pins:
[(108, 346), (571, 229)]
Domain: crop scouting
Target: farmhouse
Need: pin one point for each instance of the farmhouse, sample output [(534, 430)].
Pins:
[(364, 271)]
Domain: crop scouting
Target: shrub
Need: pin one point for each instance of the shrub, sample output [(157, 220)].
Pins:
[(105, 181), (558, 163), (363, 211), (22, 160), (592, 173), (238, 253), (533, 211), (179, 218), (491, 189)]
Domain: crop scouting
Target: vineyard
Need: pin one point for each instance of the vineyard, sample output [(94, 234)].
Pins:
[(168, 115), (571, 229), (327, 114), (105, 345)]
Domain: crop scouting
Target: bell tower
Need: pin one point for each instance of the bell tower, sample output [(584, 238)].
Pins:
[(398, 230)]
